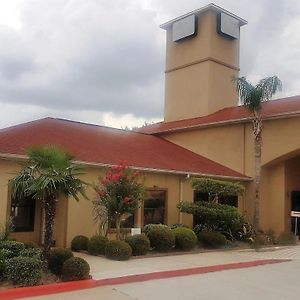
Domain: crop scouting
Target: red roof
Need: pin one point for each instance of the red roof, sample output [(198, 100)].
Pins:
[(103, 145), (270, 109)]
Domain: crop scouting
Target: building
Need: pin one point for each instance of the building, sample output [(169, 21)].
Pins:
[(204, 133)]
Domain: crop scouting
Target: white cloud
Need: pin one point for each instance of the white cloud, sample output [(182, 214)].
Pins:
[(102, 61)]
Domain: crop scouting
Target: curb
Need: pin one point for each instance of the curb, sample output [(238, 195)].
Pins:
[(21, 293)]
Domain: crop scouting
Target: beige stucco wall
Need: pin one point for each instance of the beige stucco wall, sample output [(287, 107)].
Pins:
[(75, 218), (232, 145)]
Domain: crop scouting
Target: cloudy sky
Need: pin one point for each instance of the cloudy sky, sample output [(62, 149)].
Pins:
[(102, 61)]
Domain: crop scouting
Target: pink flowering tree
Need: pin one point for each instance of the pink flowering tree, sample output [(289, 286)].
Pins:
[(120, 192)]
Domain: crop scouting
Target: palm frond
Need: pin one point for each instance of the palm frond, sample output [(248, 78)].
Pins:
[(269, 86)]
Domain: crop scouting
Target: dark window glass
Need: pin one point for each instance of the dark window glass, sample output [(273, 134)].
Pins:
[(154, 207), (23, 213)]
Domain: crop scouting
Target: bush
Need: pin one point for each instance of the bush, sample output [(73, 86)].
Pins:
[(2, 269), (30, 245), (286, 239), (56, 259), (161, 238), (15, 247), (212, 239), (24, 271), (215, 217), (96, 245), (6, 254), (79, 242), (139, 244), (185, 238), (178, 225), (31, 252), (75, 268), (118, 250), (148, 227)]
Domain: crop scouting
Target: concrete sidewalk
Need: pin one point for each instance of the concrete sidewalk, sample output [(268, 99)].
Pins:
[(103, 268)]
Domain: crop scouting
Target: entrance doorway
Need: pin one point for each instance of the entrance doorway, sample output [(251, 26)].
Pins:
[(295, 206)]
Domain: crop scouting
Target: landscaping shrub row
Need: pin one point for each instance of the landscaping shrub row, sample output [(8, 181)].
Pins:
[(22, 264)]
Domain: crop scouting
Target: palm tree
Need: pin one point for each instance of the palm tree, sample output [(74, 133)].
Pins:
[(48, 175), (252, 96)]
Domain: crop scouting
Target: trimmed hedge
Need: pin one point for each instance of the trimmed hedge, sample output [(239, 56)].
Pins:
[(161, 238), (118, 250), (185, 238), (97, 244), (6, 254), (139, 244), (75, 268), (79, 242), (215, 217), (148, 227), (31, 252), (212, 239), (24, 271), (56, 259), (30, 245), (15, 247)]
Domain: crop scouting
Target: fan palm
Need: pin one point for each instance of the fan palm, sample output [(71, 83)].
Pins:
[(48, 175), (252, 96)]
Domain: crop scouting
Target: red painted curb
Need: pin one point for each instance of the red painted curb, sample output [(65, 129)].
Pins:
[(25, 292)]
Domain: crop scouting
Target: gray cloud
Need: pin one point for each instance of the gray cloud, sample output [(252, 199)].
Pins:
[(108, 56)]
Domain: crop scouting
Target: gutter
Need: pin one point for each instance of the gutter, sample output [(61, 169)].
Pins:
[(144, 169)]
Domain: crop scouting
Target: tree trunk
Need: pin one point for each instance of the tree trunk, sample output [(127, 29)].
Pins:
[(118, 227), (257, 131), (50, 212)]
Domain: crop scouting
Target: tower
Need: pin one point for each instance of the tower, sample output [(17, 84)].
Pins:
[(202, 57)]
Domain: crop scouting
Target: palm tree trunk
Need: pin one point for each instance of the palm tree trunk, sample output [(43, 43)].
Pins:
[(257, 131), (50, 212)]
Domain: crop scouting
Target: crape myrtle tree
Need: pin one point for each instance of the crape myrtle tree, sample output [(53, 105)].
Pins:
[(252, 96), (120, 192), (48, 176)]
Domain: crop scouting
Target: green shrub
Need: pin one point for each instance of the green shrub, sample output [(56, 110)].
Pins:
[(148, 227), (29, 245), (215, 217), (56, 259), (75, 268), (185, 238), (6, 254), (15, 247), (2, 269), (212, 239), (118, 250), (178, 225), (139, 244), (31, 252), (286, 239), (79, 242), (161, 238), (24, 271), (96, 245)]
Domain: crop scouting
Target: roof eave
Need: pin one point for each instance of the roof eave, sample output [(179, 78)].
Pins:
[(19, 157), (198, 11)]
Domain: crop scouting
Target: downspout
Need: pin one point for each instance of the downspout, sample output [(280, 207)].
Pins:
[(180, 198)]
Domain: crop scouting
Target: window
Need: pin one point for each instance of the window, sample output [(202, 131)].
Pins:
[(23, 213), (154, 207), (229, 200)]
